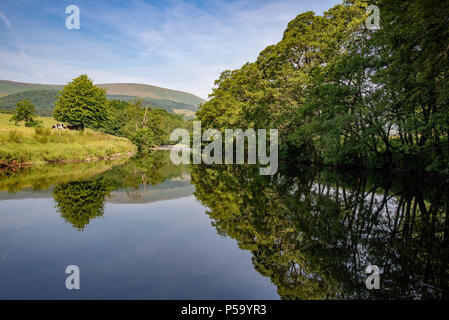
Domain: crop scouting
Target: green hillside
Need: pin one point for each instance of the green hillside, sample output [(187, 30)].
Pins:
[(43, 100), (10, 87), (148, 91), (44, 96), (168, 105)]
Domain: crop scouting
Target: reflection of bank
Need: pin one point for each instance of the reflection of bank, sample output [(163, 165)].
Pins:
[(313, 232), (81, 190), (139, 180), (177, 147), (178, 187)]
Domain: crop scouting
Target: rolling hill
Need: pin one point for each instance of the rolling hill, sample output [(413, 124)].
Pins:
[(43, 96)]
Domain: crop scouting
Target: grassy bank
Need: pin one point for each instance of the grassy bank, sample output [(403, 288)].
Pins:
[(22, 145)]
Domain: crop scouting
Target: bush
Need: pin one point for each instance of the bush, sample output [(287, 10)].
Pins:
[(33, 124)]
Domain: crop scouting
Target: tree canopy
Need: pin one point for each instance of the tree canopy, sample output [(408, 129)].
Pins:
[(342, 94), (81, 102)]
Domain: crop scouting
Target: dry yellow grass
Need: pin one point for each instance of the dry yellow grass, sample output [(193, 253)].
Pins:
[(186, 112)]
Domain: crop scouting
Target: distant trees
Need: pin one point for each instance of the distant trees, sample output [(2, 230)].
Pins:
[(81, 102), (144, 126), (25, 112)]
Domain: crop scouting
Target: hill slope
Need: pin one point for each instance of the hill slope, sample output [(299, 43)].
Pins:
[(10, 87), (148, 91), (44, 102), (44, 95)]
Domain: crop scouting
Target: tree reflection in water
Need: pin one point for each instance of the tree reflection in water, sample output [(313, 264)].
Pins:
[(81, 200), (314, 232)]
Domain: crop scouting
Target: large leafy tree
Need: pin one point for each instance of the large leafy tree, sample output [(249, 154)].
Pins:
[(343, 94), (81, 102)]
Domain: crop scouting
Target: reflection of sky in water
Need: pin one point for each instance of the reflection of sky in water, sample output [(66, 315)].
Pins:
[(163, 249)]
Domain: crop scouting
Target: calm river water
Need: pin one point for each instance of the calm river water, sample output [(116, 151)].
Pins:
[(147, 229)]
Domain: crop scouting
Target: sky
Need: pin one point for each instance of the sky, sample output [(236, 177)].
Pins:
[(181, 45)]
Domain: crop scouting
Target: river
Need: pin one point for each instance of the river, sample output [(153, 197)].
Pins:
[(146, 229)]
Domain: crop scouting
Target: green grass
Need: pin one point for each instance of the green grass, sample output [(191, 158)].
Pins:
[(19, 144)]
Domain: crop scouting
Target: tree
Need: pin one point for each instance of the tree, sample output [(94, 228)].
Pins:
[(81, 102), (144, 126), (25, 112)]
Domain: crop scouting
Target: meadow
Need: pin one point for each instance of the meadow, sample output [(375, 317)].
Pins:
[(20, 145)]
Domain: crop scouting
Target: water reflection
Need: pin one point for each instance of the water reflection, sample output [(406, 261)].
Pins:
[(314, 232), (80, 190), (311, 231), (80, 201)]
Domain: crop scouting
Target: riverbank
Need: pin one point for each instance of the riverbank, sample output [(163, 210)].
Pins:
[(22, 146)]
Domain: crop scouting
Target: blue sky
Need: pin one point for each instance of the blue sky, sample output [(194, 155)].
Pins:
[(182, 45)]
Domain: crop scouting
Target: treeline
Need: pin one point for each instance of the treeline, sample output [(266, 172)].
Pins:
[(342, 94), (144, 126)]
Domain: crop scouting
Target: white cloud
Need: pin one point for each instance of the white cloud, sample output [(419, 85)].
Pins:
[(177, 45), (6, 21)]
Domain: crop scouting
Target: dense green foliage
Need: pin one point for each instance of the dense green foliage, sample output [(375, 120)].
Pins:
[(81, 102), (345, 95), (144, 126), (25, 112)]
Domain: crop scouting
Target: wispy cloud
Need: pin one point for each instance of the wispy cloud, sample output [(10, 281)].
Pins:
[(20, 46), (6, 21), (176, 44)]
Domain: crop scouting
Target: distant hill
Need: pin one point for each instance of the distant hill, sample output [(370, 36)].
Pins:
[(10, 87), (147, 91), (43, 96), (43, 100)]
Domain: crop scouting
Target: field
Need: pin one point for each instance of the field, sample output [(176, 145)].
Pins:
[(19, 144), (187, 113)]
